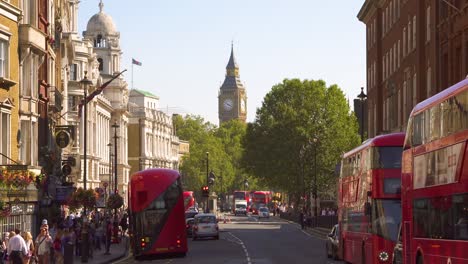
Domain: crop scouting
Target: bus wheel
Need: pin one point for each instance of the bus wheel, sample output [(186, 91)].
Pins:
[(419, 260), (342, 247), (363, 255)]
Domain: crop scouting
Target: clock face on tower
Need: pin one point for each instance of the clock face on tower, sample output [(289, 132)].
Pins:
[(228, 104)]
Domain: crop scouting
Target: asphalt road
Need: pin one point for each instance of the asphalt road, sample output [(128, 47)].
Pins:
[(252, 241)]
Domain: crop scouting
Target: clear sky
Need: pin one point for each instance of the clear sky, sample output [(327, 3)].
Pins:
[(184, 46)]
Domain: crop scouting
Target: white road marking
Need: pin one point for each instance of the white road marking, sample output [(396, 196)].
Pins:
[(243, 247)]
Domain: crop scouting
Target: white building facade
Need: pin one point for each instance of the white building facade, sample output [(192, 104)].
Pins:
[(153, 141)]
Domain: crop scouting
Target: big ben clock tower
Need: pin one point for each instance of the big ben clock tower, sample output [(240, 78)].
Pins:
[(232, 99)]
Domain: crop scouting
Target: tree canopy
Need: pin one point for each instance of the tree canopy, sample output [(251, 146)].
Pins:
[(224, 147), (299, 132)]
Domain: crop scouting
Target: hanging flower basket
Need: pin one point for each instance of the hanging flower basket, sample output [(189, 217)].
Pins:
[(40, 181), (4, 210), (82, 198), (17, 179), (115, 201)]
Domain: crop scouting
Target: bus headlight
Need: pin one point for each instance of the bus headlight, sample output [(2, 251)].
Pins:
[(383, 256)]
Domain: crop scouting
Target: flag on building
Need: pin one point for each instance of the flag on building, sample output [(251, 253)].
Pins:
[(136, 62)]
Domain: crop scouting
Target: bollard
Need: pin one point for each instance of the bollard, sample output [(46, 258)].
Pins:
[(68, 253)]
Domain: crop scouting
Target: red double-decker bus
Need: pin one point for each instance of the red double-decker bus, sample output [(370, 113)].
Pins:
[(189, 200), (260, 199), (369, 208), (435, 180), (157, 215)]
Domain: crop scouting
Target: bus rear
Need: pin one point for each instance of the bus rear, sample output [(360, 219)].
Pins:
[(189, 200), (369, 207), (157, 215)]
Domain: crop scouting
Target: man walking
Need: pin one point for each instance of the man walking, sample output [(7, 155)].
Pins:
[(17, 248)]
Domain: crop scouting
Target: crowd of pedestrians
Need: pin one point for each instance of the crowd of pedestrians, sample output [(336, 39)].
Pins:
[(53, 240)]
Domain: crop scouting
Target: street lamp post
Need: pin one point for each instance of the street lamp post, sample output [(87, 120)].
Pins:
[(115, 126), (362, 97), (315, 178), (85, 83), (110, 167), (207, 179)]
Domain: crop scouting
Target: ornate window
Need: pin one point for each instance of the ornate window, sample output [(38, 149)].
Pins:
[(5, 130)]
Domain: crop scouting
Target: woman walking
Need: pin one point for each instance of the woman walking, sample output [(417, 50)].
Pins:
[(43, 244), (30, 246)]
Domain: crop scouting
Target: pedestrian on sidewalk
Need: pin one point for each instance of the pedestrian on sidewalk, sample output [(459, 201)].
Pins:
[(108, 236), (124, 223), (30, 246), (42, 246), (301, 219), (17, 248)]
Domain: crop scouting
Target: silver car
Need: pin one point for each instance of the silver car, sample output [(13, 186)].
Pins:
[(263, 212), (205, 225)]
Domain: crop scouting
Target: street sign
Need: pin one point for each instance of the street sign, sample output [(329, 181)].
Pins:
[(64, 135), (62, 138), (63, 193)]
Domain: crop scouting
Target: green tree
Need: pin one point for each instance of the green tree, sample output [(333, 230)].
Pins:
[(299, 122)]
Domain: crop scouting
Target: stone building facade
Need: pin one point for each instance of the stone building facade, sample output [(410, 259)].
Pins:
[(415, 49), (153, 143)]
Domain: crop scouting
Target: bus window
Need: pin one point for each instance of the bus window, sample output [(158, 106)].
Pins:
[(434, 126), (386, 216), (387, 157), (418, 126)]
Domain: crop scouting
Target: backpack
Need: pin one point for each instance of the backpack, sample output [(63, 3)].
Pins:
[(57, 244)]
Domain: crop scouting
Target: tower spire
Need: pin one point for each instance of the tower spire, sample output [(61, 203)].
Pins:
[(232, 64), (101, 6)]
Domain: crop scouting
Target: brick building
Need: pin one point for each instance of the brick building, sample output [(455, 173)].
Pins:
[(415, 49)]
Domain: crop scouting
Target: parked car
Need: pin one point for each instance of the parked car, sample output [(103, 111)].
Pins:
[(333, 243), (189, 226), (205, 225), (263, 212)]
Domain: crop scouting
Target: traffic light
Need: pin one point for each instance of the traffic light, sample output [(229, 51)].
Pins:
[(206, 191), (67, 165)]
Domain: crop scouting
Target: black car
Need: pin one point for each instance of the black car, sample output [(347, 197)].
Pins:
[(189, 225), (333, 243)]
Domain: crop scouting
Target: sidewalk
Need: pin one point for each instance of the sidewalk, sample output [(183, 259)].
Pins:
[(317, 231), (117, 251)]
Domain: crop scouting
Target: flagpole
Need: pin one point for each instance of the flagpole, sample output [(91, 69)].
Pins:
[(132, 74)]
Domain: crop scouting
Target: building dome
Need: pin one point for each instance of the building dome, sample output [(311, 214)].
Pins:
[(101, 22)]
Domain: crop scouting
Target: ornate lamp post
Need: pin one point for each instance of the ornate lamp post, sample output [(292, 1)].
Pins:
[(362, 97), (85, 83), (115, 126), (110, 167)]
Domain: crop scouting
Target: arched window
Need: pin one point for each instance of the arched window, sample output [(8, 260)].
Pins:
[(101, 64), (99, 41)]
